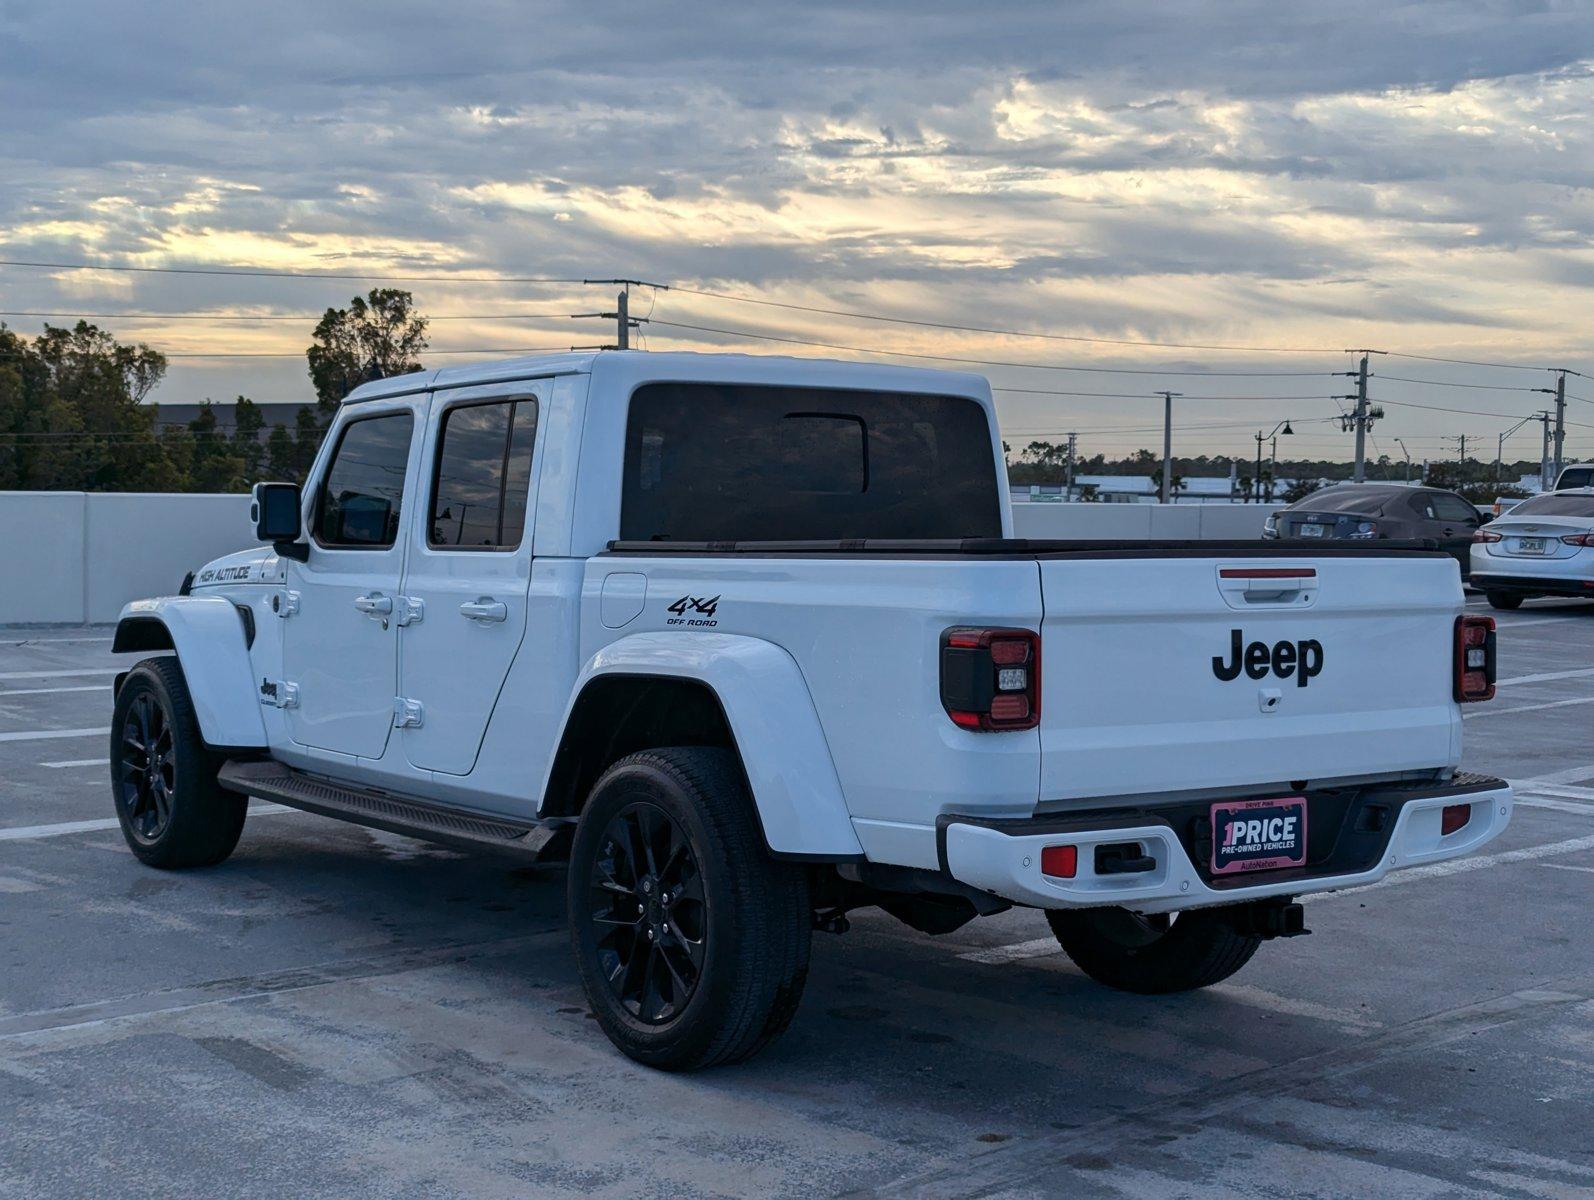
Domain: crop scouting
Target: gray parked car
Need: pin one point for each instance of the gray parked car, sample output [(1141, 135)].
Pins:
[(1374, 511)]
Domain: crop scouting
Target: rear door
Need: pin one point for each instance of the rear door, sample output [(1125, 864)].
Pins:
[(1175, 674), (1457, 521), (469, 569)]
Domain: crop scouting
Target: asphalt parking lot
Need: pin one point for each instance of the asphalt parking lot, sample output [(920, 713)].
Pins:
[(338, 1011)]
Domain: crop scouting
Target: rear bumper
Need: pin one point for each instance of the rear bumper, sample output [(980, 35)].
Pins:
[(1538, 585), (1003, 856)]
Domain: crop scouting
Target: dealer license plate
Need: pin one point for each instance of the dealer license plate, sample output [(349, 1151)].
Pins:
[(1258, 835)]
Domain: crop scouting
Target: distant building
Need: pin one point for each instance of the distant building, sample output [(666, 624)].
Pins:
[(275, 413)]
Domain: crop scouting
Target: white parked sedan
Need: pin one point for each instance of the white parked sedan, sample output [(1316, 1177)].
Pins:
[(1543, 547)]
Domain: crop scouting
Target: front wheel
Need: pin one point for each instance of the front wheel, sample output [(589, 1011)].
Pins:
[(1152, 954), (692, 942), (172, 811), (1507, 601)]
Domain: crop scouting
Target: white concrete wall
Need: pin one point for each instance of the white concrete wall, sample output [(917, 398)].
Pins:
[(1139, 521), (73, 556)]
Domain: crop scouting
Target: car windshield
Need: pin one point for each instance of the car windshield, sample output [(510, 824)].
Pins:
[(1347, 501), (1556, 506)]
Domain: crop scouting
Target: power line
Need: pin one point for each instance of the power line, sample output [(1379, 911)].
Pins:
[(983, 362), (191, 316), (251, 273), (1483, 387), (1466, 362), (300, 353), (1052, 337), (1141, 395)]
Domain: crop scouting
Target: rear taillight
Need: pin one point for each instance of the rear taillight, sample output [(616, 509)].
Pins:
[(1486, 535), (1579, 539), (991, 678), (1474, 667)]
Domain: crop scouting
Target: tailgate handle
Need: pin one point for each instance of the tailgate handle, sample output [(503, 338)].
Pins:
[(1260, 584)]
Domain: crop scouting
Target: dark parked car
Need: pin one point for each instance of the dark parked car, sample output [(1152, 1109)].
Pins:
[(1371, 511)]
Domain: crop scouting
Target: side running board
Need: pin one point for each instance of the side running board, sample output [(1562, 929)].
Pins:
[(415, 818)]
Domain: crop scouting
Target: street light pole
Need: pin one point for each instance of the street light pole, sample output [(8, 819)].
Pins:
[(1261, 437), (1407, 453)]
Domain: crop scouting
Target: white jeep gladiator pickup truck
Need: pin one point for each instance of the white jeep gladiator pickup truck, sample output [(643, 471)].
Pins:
[(748, 642)]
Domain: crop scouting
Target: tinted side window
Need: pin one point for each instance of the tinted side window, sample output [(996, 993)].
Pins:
[(1576, 477), (711, 462), (1453, 508), (1422, 505), (479, 494), (359, 504)]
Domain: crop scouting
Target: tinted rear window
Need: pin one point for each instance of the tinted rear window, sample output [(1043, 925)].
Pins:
[(1334, 500), (1575, 477), (1555, 506), (714, 462)]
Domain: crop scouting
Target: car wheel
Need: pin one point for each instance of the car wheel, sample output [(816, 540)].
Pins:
[(692, 942), (1152, 954), (1507, 601), (172, 811)]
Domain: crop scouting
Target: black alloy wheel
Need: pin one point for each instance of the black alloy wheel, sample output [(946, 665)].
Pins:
[(648, 904), (147, 768)]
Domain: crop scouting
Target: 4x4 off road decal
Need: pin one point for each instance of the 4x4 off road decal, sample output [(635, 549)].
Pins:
[(1304, 659), (703, 606)]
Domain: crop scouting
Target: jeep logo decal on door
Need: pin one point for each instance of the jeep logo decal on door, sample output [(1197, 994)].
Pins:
[(1304, 660)]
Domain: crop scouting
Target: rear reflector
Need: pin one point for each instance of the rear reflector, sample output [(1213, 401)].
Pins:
[(1060, 861), (1474, 659), (991, 678), (1454, 817)]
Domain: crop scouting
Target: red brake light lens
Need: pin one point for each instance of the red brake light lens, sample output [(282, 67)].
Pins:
[(1454, 817), (991, 678), (1474, 659), (1579, 539), (1486, 535)]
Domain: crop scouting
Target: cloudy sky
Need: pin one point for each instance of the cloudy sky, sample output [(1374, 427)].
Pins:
[(1411, 177)]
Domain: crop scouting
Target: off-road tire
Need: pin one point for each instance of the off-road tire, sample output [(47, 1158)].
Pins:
[(1115, 947), (758, 918), (1505, 601), (205, 819)]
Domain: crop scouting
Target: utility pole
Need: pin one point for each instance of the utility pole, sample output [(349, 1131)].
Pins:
[(622, 337), (1544, 454), (1361, 420), (1559, 438), (1068, 471), (624, 321), (1167, 444), (1461, 440), (1407, 453)]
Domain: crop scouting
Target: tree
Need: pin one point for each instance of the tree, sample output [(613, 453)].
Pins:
[(248, 422), (281, 463), (307, 433), (72, 414), (376, 336), (217, 467)]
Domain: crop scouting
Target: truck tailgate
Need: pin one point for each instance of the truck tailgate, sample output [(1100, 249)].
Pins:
[(1192, 672)]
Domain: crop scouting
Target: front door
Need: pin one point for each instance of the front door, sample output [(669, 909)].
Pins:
[(469, 567), (340, 649), (1458, 521)]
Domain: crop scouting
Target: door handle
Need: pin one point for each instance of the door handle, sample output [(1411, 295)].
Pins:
[(374, 605), (486, 610)]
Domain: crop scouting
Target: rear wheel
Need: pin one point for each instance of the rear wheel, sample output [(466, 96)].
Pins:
[(172, 811), (1152, 954), (1503, 600), (692, 942)]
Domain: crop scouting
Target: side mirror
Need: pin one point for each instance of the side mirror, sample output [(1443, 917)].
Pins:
[(275, 510)]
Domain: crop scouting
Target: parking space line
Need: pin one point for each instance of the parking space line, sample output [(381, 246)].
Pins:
[(21, 833), (40, 735), (1575, 808), (91, 687), (1545, 677), (1260, 998), (1566, 775), (1460, 866), (59, 674), (76, 762), (47, 641), (1522, 708), (1567, 867)]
